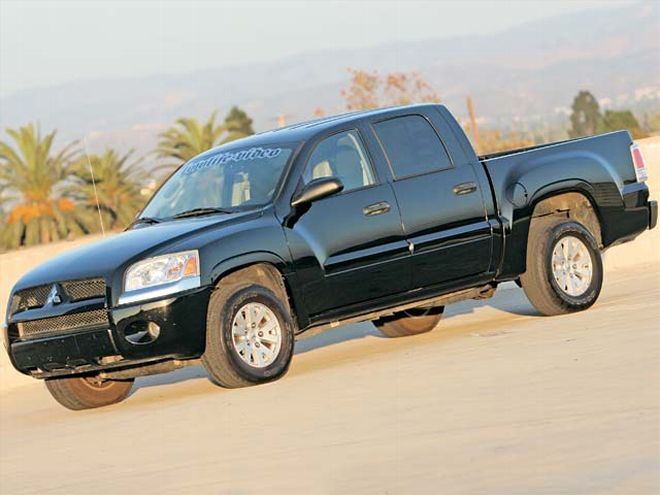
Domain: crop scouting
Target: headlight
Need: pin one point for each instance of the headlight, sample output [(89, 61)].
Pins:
[(160, 276)]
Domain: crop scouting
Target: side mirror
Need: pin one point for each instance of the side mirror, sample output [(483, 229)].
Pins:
[(317, 189)]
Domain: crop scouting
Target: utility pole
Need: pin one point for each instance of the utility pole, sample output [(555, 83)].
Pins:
[(473, 124)]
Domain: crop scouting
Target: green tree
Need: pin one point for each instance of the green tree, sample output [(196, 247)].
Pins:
[(188, 138), (238, 124), (118, 182), (624, 119), (586, 118), (34, 173)]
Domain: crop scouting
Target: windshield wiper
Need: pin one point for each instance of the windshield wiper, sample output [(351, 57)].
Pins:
[(195, 212), (145, 220)]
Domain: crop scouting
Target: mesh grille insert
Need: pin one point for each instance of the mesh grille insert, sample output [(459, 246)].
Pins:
[(79, 290), (30, 298), (58, 324), (71, 290)]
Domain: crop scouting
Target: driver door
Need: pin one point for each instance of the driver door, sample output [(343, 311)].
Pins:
[(350, 247)]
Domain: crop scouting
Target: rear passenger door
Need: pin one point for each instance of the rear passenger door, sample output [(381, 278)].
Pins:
[(440, 202)]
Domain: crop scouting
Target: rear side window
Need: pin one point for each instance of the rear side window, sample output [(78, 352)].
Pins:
[(412, 146)]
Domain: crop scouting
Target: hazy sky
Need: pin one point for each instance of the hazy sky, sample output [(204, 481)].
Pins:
[(48, 42)]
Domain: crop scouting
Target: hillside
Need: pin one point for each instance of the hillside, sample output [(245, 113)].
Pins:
[(522, 76)]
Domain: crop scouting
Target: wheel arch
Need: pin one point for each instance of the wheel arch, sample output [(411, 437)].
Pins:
[(260, 267), (575, 203), (575, 199)]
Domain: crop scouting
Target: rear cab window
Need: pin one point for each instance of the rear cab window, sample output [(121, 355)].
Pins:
[(412, 146)]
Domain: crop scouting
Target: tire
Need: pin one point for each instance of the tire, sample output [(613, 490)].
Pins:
[(234, 360), (410, 322), (78, 393), (570, 286)]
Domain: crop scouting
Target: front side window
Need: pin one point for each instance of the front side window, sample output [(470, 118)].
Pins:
[(412, 146), (340, 155), (231, 179)]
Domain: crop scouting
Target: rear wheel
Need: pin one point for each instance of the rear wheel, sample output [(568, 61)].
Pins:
[(77, 393), (564, 268), (410, 322)]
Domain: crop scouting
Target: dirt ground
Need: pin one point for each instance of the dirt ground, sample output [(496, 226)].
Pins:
[(496, 400)]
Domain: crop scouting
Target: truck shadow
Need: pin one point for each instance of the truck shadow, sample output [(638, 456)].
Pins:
[(182, 375), (509, 300)]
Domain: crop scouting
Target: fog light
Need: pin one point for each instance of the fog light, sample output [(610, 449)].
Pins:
[(142, 332)]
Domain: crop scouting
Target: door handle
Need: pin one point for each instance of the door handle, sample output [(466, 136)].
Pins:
[(376, 209), (465, 188)]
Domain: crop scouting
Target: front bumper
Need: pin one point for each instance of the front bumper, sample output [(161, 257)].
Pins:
[(181, 319)]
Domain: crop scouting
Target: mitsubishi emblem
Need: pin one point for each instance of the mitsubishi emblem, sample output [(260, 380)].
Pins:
[(53, 296)]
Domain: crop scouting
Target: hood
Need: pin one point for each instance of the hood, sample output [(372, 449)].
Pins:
[(102, 258)]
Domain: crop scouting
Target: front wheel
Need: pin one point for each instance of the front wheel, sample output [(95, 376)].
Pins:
[(564, 268), (249, 336), (77, 393)]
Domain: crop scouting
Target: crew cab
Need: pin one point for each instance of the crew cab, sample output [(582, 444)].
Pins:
[(385, 215)]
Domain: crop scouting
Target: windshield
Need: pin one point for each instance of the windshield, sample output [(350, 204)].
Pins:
[(231, 179)]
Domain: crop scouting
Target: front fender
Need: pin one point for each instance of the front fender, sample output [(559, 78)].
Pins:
[(242, 260)]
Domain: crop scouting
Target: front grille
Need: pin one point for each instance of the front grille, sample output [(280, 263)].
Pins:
[(58, 324), (71, 290), (30, 298), (79, 290)]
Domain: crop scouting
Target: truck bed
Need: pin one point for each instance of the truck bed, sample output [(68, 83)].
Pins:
[(612, 147), (600, 168), (604, 161), (513, 151)]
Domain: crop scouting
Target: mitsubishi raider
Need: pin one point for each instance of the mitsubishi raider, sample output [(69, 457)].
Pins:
[(385, 215)]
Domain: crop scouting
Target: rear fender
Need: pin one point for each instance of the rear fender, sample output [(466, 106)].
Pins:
[(529, 182)]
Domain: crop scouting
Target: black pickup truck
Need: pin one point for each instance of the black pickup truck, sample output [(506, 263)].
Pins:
[(385, 215)]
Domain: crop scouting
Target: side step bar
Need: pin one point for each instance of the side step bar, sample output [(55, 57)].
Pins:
[(481, 292)]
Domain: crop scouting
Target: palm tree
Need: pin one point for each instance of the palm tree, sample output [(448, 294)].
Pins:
[(188, 138), (117, 184), (4, 229), (238, 123), (33, 172)]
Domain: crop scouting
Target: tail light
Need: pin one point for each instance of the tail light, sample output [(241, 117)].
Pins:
[(638, 161)]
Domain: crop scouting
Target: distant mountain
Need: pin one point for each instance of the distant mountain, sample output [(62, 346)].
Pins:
[(525, 76)]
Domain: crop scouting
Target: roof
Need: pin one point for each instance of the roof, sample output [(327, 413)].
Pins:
[(305, 130)]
